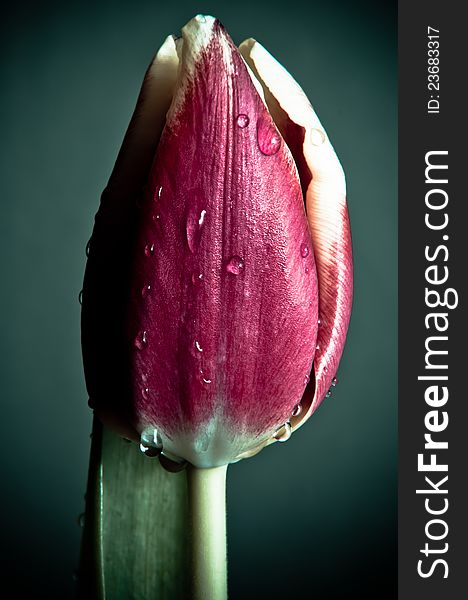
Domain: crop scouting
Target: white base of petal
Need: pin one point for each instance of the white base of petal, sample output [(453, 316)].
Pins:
[(212, 446)]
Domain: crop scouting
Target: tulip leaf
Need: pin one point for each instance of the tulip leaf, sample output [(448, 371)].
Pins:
[(134, 538)]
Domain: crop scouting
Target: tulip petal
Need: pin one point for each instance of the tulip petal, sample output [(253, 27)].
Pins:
[(108, 267), (223, 315), (323, 184)]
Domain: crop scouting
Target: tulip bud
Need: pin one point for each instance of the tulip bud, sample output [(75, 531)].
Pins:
[(206, 279)]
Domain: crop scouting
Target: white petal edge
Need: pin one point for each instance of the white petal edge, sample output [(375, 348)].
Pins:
[(323, 162), (147, 123)]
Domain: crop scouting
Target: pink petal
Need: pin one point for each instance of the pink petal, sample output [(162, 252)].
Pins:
[(323, 184), (223, 312)]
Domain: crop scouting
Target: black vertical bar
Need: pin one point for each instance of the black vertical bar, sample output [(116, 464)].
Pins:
[(432, 118)]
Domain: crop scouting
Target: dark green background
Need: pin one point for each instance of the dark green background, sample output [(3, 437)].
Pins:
[(319, 511)]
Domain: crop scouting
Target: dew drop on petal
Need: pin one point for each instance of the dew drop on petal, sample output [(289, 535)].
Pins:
[(283, 433), (150, 442), (150, 450), (158, 193), (145, 290), (88, 247), (317, 137), (193, 228), (334, 381), (198, 347), (235, 265), (268, 137), (80, 297), (145, 393), (328, 394), (149, 249), (306, 379), (296, 411), (304, 250), (242, 120), (204, 378), (141, 340), (197, 278)]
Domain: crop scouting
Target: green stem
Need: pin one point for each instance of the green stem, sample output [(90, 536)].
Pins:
[(91, 571), (207, 509)]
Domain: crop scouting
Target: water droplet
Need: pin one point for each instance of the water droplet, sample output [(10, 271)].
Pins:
[(80, 297), (235, 265), (283, 433), (149, 450), (296, 410), (196, 278), (198, 347), (204, 377), (242, 120), (81, 519), (319, 322), (268, 137), (145, 393), (307, 270), (317, 137), (144, 377), (88, 247), (156, 217), (334, 381), (145, 290), (150, 442), (202, 217), (149, 249), (157, 196), (317, 347), (304, 250), (306, 379), (193, 227), (141, 340), (328, 394)]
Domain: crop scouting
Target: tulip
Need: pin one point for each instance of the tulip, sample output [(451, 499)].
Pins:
[(218, 287)]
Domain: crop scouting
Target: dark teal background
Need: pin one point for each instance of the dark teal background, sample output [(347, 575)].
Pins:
[(318, 511)]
